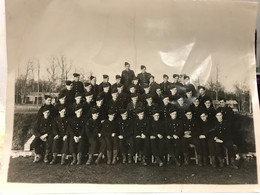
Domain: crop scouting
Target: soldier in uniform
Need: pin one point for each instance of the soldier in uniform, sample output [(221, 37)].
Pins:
[(127, 75), (143, 76), (150, 107), (136, 83), (102, 110), (174, 131), (106, 95), (78, 86), (93, 81), (202, 95), (223, 137), (88, 104), (181, 107), (141, 135), (165, 114), (165, 84), (157, 98), (118, 81), (191, 135), (211, 112), (189, 97), (126, 140), (122, 96), (190, 86), (109, 139), (69, 93), (173, 94), (61, 102), (157, 138), (133, 105), (146, 92), (104, 83), (178, 84), (195, 109), (207, 138), (43, 136), (60, 137), (114, 104), (88, 87), (153, 85), (76, 134), (226, 111), (72, 107), (48, 106), (93, 132)]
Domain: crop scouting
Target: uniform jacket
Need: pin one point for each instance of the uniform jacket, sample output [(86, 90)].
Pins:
[(208, 129), (60, 126), (76, 126), (125, 127), (141, 126), (42, 127), (174, 127), (93, 127), (223, 130), (144, 77), (131, 109), (127, 77), (157, 127), (78, 86), (165, 87), (109, 127), (227, 112), (70, 96), (193, 126)]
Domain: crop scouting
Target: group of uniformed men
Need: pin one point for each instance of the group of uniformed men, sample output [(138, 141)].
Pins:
[(136, 116)]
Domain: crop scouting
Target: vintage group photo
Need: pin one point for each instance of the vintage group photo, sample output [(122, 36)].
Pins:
[(131, 93)]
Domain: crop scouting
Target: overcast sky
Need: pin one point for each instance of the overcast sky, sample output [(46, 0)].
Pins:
[(167, 36)]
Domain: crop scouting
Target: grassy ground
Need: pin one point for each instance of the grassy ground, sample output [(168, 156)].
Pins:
[(23, 170)]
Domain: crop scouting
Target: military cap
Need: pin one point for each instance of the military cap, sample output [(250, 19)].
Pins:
[(172, 109), (119, 85), (99, 97), (123, 111), (92, 77), (165, 76), (45, 108), (142, 67), (76, 74), (134, 95), (94, 110), (105, 76), (208, 99), (147, 96), (132, 85), (188, 89), (47, 96), (179, 97), (201, 87), (221, 98), (61, 107), (88, 93), (118, 77), (78, 94), (145, 85), (172, 86), (196, 98), (165, 96), (203, 111), (87, 84), (78, 106), (151, 76), (186, 77), (188, 110), (126, 63), (68, 82), (155, 111), (61, 95), (111, 111), (105, 85), (139, 110), (175, 75), (114, 90)]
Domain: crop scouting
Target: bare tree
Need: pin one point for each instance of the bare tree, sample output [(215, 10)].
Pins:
[(52, 73)]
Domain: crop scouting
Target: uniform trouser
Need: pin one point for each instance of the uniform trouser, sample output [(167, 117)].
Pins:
[(108, 143), (157, 146), (60, 146), (126, 145), (76, 147), (229, 145), (173, 146), (143, 145), (191, 140), (93, 142), (40, 146), (211, 146)]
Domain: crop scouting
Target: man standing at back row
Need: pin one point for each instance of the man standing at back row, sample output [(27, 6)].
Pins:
[(78, 86), (127, 76), (143, 76)]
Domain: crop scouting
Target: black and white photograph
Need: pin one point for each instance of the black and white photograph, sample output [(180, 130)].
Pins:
[(154, 93)]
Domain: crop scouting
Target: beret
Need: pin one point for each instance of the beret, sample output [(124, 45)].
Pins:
[(76, 74), (105, 76), (143, 66), (118, 77), (61, 95), (68, 82)]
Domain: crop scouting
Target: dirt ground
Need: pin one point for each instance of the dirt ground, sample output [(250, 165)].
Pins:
[(22, 169)]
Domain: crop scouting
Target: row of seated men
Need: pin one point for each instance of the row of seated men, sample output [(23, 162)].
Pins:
[(124, 122)]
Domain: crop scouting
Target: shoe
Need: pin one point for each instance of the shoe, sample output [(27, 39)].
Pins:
[(79, 156), (115, 152), (109, 157), (54, 158), (233, 164), (90, 159), (221, 161), (124, 158), (63, 159), (130, 159), (199, 161), (74, 159), (99, 158), (37, 158)]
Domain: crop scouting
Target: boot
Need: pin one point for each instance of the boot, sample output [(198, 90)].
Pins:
[(74, 159), (144, 161), (46, 156), (186, 159), (213, 161), (199, 160), (233, 163), (124, 158), (205, 160), (178, 164), (159, 161), (54, 158), (130, 159), (99, 158), (115, 152), (109, 157), (37, 158), (63, 159), (79, 156), (221, 163), (90, 159), (139, 158)]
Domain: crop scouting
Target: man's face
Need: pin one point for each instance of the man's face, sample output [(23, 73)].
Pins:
[(76, 78), (189, 115), (132, 90), (219, 116), (120, 89), (196, 103), (124, 116), (180, 101), (69, 87), (143, 70), (159, 92), (147, 89), (88, 88), (111, 117), (78, 99), (134, 99), (176, 79), (62, 112), (118, 80), (149, 100), (99, 103), (135, 82), (95, 116), (166, 101), (114, 96), (127, 67), (222, 103), (201, 91), (173, 91), (105, 80), (173, 115), (78, 112), (189, 94), (89, 98), (48, 101), (62, 100), (140, 115), (165, 79), (46, 114), (106, 89), (93, 81), (207, 104), (187, 81), (156, 117), (204, 117), (151, 80)]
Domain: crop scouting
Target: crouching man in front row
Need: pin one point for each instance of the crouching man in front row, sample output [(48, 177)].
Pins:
[(43, 136), (76, 132), (60, 137)]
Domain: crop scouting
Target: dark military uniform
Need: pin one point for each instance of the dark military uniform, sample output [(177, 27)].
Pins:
[(131, 109), (148, 111), (122, 99), (211, 112), (48, 107), (164, 112), (165, 87), (60, 128), (102, 112), (43, 126), (78, 86), (227, 113), (70, 96), (95, 91), (127, 77), (192, 88), (116, 106), (157, 99), (144, 78), (153, 87), (87, 108), (202, 99), (195, 111), (71, 109), (102, 85), (181, 110), (106, 98)]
